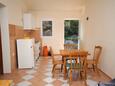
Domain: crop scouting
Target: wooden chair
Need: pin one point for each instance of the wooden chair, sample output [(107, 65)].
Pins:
[(56, 60), (77, 65), (96, 56)]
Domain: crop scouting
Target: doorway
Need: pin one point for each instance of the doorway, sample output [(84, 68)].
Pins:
[(1, 58), (71, 34)]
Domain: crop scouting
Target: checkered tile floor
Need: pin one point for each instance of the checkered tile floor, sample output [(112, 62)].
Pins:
[(41, 75)]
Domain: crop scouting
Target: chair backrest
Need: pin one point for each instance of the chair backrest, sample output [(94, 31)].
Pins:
[(82, 55), (97, 53), (70, 46)]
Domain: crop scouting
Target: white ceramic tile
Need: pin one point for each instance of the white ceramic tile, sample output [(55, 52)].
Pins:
[(65, 84), (31, 72), (49, 74), (48, 70), (50, 62), (49, 85), (49, 66), (92, 83), (40, 59), (62, 80), (13, 84), (35, 68), (89, 76), (37, 64), (48, 80), (27, 77), (24, 83)]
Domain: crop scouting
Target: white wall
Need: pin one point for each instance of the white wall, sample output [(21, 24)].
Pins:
[(16, 8), (100, 29)]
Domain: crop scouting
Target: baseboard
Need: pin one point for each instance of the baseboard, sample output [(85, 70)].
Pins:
[(105, 74)]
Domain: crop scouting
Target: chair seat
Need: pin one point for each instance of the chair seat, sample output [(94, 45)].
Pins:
[(58, 62), (58, 57)]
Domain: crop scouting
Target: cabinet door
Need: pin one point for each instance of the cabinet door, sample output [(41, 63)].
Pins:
[(27, 21)]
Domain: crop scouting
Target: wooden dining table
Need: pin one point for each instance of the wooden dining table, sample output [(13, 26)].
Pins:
[(66, 53)]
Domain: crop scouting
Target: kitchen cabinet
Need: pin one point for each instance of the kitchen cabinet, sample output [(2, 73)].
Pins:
[(25, 52), (28, 21)]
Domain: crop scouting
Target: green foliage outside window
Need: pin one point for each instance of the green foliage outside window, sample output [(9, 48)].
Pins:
[(71, 31)]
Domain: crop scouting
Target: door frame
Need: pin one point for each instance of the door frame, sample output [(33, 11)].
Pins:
[(5, 42), (79, 29), (1, 58)]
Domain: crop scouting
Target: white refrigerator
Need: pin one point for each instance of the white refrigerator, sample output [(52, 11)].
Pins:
[(25, 53)]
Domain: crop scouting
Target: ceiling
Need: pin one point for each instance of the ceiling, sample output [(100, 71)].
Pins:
[(35, 5)]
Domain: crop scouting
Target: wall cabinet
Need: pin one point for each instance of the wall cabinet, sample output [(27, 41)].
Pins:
[(28, 21)]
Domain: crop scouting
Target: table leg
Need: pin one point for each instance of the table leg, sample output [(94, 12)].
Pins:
[(65, 68)]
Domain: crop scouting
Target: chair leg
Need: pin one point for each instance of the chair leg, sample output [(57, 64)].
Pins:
[(85, 75), (97, 69), (81, 75), (93, 67), (61, 67), (85, 82), (70, 77), (53, 69)]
